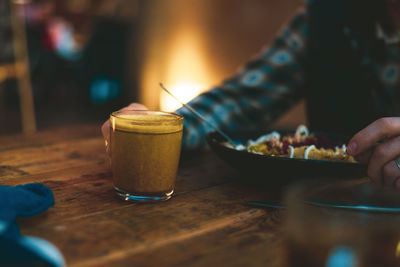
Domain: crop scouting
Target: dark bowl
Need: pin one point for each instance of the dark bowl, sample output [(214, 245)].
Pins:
[(281, 170)]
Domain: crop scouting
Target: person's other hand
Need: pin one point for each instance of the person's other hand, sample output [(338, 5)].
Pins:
[(105, 129), (379, 145)]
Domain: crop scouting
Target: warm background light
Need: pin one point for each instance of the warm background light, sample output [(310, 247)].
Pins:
[(184, 91), (193, 45), (176, 54), (187, 73)]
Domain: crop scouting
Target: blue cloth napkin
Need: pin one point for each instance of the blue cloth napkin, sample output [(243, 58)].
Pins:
[(15, 249)]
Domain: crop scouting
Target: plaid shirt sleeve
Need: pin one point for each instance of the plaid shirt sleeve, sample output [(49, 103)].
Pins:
[(258, 94)]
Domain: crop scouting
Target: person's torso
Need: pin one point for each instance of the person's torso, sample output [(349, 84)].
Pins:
[(352, 77)]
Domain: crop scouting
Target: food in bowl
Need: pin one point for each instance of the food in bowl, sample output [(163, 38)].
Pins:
[(300, 145)]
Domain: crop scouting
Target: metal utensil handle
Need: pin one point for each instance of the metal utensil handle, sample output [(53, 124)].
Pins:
[(198, 115)]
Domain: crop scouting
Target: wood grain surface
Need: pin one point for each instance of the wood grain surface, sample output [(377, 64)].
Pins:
[(206, 223)]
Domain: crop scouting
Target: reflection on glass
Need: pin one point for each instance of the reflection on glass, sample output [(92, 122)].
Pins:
[(342, 256), (398, 250)]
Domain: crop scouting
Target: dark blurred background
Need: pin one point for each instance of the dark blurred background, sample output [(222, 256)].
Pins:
[(81, 59)]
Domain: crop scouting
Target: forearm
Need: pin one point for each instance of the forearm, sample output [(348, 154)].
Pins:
[(250, 109)]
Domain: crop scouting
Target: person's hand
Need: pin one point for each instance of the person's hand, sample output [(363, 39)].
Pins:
[(105, 129), (379, 145)]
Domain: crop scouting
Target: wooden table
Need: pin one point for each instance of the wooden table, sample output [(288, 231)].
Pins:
[(206, 223)]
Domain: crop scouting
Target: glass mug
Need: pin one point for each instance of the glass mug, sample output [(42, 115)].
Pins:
[(145, 151)]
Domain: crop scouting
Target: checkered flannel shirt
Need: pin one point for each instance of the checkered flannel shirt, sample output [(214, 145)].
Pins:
[(271, 83)]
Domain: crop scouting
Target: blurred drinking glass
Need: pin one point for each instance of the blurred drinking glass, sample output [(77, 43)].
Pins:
[(342, 224)]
